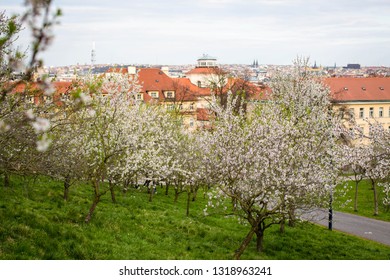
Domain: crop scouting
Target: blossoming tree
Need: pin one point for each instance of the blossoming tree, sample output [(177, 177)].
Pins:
[(279, 161)]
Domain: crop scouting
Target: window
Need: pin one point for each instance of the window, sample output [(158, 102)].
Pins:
[(191, 123), (199, 84), (192, 106), (380, 112), (371, 112), (169, 94), (154, 94), (170, 106), (138, 96), (361, 113)]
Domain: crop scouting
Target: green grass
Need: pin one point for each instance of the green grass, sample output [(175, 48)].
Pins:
[(37, 224), (365, 201)]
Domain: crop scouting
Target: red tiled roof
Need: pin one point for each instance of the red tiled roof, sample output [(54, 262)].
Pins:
[(206, 71), (60, 87), (359, 89), (254, 92), (188, 90), (153, 79), (118, 70)]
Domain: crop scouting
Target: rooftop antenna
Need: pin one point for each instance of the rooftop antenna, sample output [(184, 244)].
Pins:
[(93, 54)]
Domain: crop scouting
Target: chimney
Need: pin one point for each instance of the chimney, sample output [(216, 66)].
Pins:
[(132, 70), (165, 69)]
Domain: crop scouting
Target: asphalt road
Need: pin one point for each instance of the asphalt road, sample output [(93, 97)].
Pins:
[(367, 228)]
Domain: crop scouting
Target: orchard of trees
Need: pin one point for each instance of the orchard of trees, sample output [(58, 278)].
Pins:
[(271, 160)]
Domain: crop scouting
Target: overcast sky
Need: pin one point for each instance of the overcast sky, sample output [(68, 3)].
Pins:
[(234, 31)]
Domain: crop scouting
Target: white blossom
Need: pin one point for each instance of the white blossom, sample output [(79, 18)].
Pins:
[(43, 143), (4, 127), (30, 114), (41, 125), (85, 98)]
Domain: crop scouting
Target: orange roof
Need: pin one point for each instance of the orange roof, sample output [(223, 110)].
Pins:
[(118, 70), (346, 89), (154, 79), (253, 91), (206, 71), (60, 87), (188, 90)]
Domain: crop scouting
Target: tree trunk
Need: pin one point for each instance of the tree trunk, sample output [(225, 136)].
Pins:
[(260, 239), (166, 188), (188, 203), (282, 225), (355, 204), (112, 191), (92, 209), (244, 244), (234, 204), (6, 179), (126, 184), (176, 195), (194, 194), (66, 188), (151, 191), (95, 201), (291, 217), (376, 211)]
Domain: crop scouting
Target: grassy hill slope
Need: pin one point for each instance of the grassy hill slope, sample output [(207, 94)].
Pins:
[(37, 224)]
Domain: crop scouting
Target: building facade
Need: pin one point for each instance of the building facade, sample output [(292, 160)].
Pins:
[(367, 100)]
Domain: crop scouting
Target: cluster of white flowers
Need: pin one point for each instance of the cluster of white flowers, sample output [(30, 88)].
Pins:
[(41, 125), (386, 192), (43, 143), (4, 127), (277, 160)]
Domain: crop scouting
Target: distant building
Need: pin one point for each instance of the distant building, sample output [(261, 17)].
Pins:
[(255, 64), (352, 66), (364, 99), (205, 73), (207, 61)]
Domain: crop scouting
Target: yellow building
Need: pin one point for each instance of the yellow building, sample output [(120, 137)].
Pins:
[(365, 99)]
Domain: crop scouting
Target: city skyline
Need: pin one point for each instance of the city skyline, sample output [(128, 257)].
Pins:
[(235, 32)]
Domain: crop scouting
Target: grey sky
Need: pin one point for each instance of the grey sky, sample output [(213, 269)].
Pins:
[(234, 31)]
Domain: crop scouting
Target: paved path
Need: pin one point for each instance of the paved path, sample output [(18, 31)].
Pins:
[(372, 229)]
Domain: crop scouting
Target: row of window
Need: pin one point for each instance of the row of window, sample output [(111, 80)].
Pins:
[(43, 98), (168, 94), (371, 112), (180, 106)]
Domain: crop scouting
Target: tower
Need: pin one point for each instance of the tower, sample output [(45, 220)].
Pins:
[(207, 61), (93, 54)]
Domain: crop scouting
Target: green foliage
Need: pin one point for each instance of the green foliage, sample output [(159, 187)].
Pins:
[(36, 223)]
